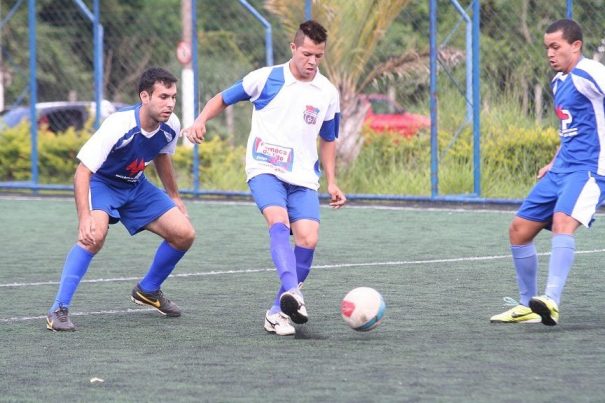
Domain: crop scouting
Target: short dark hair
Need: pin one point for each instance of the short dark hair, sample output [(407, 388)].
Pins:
[(571, 30), (153, 75), (312, 30)]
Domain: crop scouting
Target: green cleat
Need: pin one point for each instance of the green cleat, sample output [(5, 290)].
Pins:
[(155, 299), (546, 308), (517, 314)]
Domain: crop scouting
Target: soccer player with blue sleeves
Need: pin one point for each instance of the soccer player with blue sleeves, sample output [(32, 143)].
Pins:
[(571, 186), (293, 104), (110, 186)]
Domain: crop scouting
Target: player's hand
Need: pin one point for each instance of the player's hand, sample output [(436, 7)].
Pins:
[(86, 231), (195, 133), (337, 197), (181, 206), (542, 171)]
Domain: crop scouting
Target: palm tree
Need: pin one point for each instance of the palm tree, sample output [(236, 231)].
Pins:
[(355, 28)]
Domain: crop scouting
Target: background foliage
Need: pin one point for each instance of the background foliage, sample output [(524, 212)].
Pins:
[(516, 108)]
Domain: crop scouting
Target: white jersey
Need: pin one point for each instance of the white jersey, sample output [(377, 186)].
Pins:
[(120, 149), (288, 116)]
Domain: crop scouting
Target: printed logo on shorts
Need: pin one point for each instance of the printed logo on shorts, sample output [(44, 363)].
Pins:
[(310, 114), (276, 155)]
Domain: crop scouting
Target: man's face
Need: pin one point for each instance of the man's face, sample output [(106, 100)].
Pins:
[(160, 103), (561, 55), (306, 58)]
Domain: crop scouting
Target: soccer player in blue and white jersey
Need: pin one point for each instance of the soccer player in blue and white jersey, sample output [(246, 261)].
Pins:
[(571, 186), (293, 105), (110, 186)]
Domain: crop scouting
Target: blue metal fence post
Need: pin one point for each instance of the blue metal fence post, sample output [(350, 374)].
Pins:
[(433, 98), (98, 61), (476, 100), (97, 33), (308, 9), (33, 90), (569, 9), (196, 94), (268, 34)]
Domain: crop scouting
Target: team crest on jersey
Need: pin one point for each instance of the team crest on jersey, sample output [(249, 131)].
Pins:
[(310, 114)]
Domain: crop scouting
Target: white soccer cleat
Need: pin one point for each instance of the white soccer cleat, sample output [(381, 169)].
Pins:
[(279, 324), (293, 305)]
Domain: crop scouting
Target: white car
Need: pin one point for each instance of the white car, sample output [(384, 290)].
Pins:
[(57, 116)]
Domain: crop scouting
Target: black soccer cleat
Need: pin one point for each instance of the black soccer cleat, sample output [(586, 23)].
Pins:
[(156, 300)]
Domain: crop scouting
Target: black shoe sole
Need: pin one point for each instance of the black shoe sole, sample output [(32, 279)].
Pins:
[(541, 309), (289, 306)]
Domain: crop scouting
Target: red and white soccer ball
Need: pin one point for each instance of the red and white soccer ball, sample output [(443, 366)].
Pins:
[(362, 308)]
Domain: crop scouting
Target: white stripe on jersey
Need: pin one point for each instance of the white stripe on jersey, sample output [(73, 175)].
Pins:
[(595, 94)]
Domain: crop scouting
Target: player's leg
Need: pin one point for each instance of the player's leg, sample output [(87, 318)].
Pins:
[(150, 208), (270, 195), (76, 264), (581, 194), (534, 215), (303, 210)]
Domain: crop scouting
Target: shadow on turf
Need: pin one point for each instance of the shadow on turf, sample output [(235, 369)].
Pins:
[(308, 333)]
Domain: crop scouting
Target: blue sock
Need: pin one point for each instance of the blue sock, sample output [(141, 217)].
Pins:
[(561, 260), (166, 257), (304, 259), (75, 267), (283, 255), (525, 260)]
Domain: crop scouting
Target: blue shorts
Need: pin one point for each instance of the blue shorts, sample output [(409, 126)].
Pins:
[(301, 202), (134, 206), (577, 194)]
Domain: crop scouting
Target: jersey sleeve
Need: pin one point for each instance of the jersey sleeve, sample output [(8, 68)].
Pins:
[(248, 88), (591, 80), (95, 151), (331, 124)]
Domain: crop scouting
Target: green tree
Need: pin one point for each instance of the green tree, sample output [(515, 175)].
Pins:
[(355, 29)]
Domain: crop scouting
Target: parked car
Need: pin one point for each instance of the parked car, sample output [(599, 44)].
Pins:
[(386, 115), (57, 116)]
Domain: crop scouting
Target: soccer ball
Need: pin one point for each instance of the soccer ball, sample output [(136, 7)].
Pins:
[(362, 308)]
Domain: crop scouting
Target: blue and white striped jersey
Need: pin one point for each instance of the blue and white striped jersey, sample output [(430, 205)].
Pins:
[(579, 100), (120, 149)]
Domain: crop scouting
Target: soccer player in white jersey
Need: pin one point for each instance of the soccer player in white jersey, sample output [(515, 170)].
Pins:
[(571, 186), (293, 105), (110, 186)]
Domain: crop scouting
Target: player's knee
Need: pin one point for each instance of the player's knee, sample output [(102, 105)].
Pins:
[(95, 247), (184, 238), (308, 241)]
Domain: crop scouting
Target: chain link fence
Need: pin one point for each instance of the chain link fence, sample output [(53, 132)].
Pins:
[(231, 41)]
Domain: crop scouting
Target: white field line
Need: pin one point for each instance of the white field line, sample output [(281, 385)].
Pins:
[(246, 271), (326, 266), (112, 312)]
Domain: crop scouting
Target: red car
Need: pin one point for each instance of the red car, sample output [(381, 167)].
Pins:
[(386, 115)]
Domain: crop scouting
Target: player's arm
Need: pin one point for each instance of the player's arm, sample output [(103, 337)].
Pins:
[(212, 109), (327, 151), (165, 170), (86, 224), (542, 171), (245, 89)]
